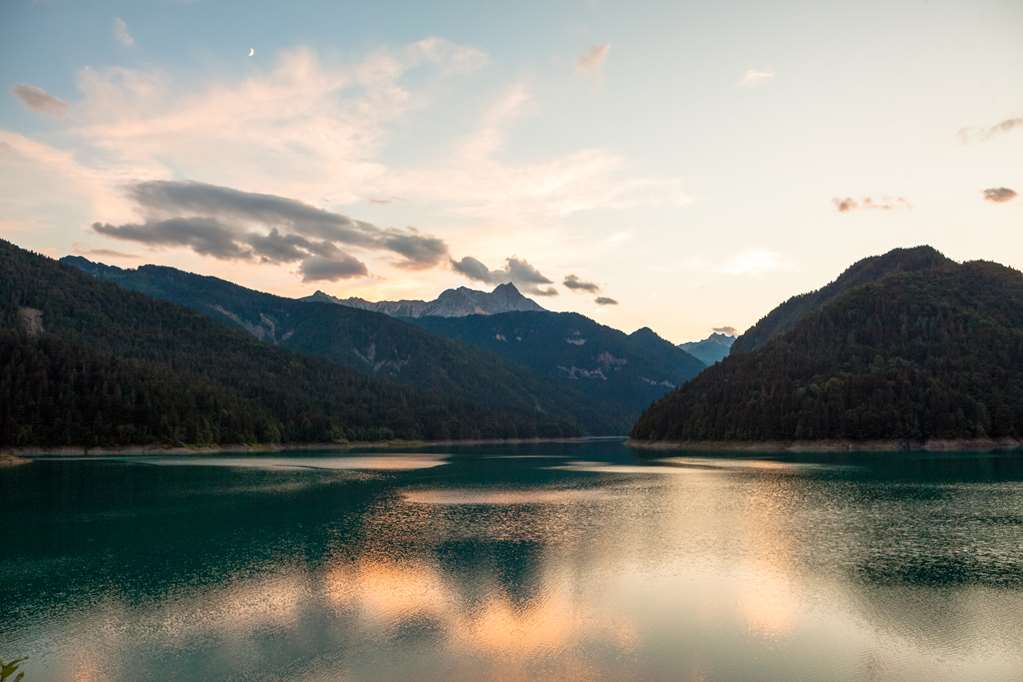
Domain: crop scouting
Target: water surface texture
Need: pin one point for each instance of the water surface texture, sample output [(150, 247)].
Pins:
[(556, 561)]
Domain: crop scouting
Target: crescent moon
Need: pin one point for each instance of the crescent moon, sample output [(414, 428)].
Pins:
[(252, 51)]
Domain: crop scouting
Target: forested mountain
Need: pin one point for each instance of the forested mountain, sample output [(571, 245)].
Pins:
[(451, 303), (369, 342), (933, 350), (712, 349), (865, 271), (625, 372), (87, 362)]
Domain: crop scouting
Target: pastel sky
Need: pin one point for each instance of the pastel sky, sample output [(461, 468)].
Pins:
[(696, 163)]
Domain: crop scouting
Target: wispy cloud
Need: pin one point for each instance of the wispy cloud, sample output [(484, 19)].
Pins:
[(39, 100), (967, 135), (866, 203), (754, 77), (516, 271), (575, 284), (121, 33), (592, 61), (728, 331), (604, 300), (999, 195)]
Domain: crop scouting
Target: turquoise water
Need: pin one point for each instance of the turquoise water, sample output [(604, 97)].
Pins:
[(555, 561)]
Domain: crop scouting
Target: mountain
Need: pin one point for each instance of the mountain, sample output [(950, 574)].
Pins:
[(862, 272), (372, 343), (712, 349), (624, 372), (86, 362), (451, 303), (931, 350)]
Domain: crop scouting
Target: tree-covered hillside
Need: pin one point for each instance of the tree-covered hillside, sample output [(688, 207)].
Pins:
[(86, 362), (926, 353), (865, 271), (372, 343)]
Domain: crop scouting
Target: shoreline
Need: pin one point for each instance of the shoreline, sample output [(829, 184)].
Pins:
[(21, 455), (932, 445)]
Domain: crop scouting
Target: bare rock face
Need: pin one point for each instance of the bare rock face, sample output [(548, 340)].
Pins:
[(31, 321), (458, 302)]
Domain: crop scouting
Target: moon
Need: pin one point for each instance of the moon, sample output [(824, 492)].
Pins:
[(252, 52)]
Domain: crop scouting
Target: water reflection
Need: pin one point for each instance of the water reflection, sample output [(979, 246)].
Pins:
[(572, 562)]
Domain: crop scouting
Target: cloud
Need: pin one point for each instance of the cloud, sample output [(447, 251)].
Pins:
[(39, 100), (342, 266), (205, 236), (884, 204), (729, 331), (754, 77), (604, 300), (575, 284), (121, 33), (967, 135), (102, 253), (592, 61), (290, 228), (999, 195), (753, 262), (516, 271)]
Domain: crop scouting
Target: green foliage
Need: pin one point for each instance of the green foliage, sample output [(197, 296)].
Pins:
[(111, 367), (922, 354), (8, 668)]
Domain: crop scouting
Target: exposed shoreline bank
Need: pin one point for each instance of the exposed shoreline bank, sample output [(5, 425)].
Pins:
[(21, 453), (933, 445)]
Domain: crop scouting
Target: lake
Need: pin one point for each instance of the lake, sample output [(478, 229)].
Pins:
[(552, 561)]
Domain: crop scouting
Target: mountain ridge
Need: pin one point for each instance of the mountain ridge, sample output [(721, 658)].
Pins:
[(457, 302), (921, 354), (370, 342), (714, 348)]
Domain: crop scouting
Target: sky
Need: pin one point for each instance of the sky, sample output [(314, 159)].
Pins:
[(682, 166)]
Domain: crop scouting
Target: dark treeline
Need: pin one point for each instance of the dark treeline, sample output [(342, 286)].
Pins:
[(85, 362), (927, 354), (375, 345)]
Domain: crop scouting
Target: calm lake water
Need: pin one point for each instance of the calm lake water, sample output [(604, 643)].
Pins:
[(555, 561)]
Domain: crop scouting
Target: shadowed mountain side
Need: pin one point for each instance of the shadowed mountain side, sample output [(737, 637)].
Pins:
[(624, 371), (865, 271), (370, 342), (88, 363), (931, 354)]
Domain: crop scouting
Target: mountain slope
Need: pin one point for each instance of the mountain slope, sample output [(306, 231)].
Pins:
[(712, 349), (86, 362), (624, 372), (865, 271), (451, 303), (931, 353), (370, 342)]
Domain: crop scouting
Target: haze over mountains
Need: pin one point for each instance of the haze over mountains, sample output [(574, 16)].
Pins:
[(908, 347), (712, 349), (451, 303)]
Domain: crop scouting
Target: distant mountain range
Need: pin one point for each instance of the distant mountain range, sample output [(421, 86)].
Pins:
[(623, 371), (373, 343), (909, 347), (87, 363), (712, 349), (458, 302)]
